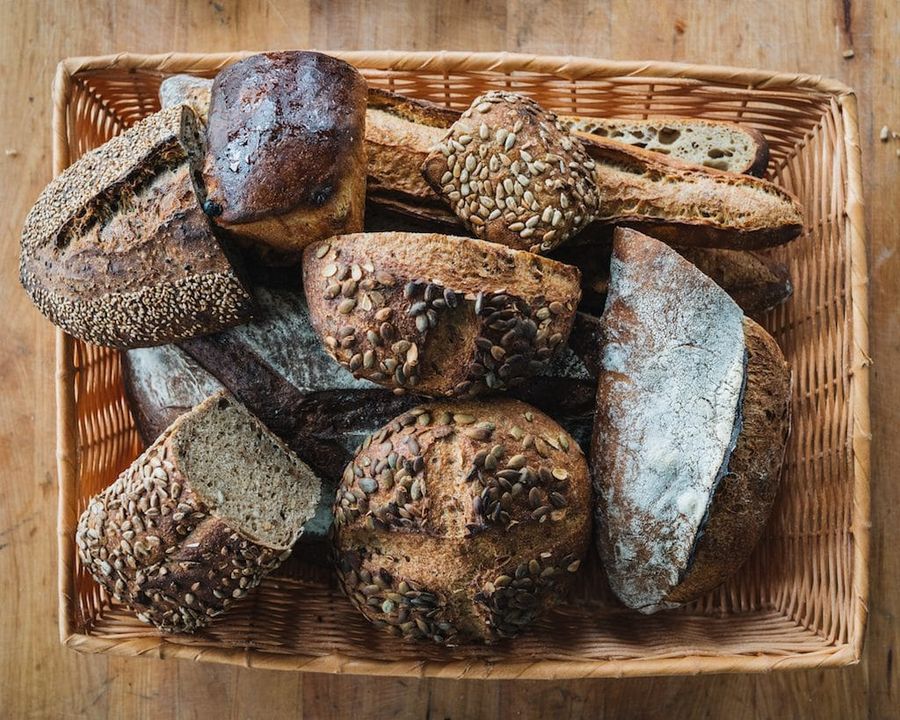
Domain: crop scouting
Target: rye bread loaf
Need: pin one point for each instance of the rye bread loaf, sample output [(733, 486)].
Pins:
[(462, 521), (187, 90), (212, 507), (286, 159), (713, 143), (513, 174), (117, 250), (690, 430), (684, 204), (437, 315)]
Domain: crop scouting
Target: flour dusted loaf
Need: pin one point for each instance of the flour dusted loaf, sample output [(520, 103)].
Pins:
[(286, 159), (187, 90), (462, 521), (437, 315), (690, 430), (685, 204), (196, 522), (513, 174), (117, 250)]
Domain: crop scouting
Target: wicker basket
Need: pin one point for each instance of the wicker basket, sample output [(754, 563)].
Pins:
[(800, 601)]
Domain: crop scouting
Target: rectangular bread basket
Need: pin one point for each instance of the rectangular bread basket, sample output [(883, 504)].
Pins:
[(799, 602)]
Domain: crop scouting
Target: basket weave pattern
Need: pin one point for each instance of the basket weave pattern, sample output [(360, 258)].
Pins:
[(800, 599)]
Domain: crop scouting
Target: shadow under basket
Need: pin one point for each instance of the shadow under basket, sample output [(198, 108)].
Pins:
[(799, 602)]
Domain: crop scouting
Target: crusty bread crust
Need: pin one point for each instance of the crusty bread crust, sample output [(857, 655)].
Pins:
[(286, 159), (684, 204), (742, 503), (154, 543), (462, 522), (435, 314), (117, 250)]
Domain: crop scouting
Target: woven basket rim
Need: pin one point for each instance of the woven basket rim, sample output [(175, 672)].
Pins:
[(567, 67)]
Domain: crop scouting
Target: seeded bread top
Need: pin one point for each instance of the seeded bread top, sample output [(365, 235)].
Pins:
[(514, 174), (671, 385)]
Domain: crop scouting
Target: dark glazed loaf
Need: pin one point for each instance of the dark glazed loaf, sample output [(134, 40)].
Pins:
[(286, 159)]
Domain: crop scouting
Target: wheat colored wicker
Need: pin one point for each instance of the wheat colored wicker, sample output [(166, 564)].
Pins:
[(801, 599)]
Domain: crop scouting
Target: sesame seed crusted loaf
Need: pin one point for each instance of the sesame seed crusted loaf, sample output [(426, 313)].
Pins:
[(196, 522), (462, 521), (690, 429), (437, 315), (117, 250), (513, 174), (286, 159), (684, 204), (187, 90), (713, 143)]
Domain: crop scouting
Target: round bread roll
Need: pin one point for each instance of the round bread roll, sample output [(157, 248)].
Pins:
[(438, 315), (286, 158), (461, 522)]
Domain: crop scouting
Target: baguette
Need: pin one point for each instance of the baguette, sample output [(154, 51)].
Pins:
[(117, 250), (690, 431), (194, 524)]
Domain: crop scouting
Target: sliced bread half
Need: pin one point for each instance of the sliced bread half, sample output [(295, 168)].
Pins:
[(214, 505)]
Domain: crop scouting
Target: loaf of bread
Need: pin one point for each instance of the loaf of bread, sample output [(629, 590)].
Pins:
[(437, 315), (194, 524), (117, 250), (690, 431), (686, 204), (513, 174), (713, 143), (286, 159), (462, 521), (187, 90)]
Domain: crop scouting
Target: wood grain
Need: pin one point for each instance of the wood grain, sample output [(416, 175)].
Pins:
[(40, 679)]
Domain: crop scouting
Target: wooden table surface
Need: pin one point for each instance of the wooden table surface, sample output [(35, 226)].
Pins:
[(41, 679)]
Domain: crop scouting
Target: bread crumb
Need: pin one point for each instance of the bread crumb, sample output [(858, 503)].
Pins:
[(848, 54)]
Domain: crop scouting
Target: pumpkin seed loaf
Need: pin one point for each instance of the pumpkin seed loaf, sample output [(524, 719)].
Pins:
[(690, 430), (117, 250), (437, 315), (685, 204), (286, 158), (462, 521), (187, 90), (212, 507), (513, 174)]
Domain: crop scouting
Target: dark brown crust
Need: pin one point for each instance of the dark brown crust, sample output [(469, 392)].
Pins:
[(743, 499), (286, 157), (425, 503), (403, 310), (752, 213)]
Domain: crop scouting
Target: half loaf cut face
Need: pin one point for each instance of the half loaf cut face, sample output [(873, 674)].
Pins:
[(117, 249), (690, 429), (462, 522), (513, 174), (196, 522), (438, 315)]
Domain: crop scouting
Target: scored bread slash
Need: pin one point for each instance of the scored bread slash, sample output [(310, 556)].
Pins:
[(438, 315), (196, 522), (513, 174), (690, 429), (117, 250), (462, 522)]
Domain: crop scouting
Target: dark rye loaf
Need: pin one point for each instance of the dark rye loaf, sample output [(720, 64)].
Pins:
[(286, 160), (437, 315), (117, 250), (690, 430), (462, 522), (194, 524)]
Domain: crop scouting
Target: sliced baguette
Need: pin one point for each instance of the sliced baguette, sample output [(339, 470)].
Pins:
[(684, 204), (690, 430), (712, 143), (214, 505)]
